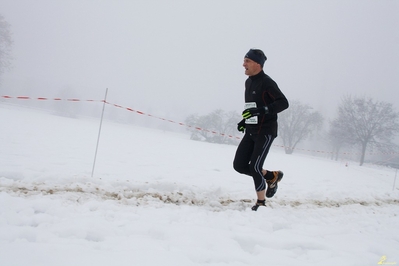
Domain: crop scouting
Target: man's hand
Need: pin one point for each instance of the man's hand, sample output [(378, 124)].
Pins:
[(250, 112), (241, 126)]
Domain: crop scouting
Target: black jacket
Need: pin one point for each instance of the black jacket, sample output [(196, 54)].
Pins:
[(262, 90)]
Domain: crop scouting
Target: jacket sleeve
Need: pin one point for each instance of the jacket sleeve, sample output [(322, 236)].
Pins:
[(278, 100)]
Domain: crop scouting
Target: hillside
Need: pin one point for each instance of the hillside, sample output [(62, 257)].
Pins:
[(157, 197)]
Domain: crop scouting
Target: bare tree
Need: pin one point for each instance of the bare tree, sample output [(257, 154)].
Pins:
[(367, 123), (216, 127), (297, 123), (336, 140), (5, 45)]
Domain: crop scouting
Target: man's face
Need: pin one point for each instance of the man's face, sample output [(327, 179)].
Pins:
[(251, 67)]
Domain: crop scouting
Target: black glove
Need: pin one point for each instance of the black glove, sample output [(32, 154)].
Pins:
[(250, 112), (241, 126)]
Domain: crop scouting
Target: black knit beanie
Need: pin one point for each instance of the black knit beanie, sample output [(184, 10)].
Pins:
[(256, 55)]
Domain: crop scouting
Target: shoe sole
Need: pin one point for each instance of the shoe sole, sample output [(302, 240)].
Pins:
[(274, 189)]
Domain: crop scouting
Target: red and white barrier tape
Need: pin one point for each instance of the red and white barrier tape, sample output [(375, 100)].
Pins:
[(174, 122), (48, 99), (119, 106)]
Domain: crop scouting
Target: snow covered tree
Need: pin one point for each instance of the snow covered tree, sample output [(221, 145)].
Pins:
[(214, 127), (297, 123), (367, 123), (5, 45), (336, 139)]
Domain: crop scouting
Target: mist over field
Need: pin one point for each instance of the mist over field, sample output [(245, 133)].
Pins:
[(175, 58)]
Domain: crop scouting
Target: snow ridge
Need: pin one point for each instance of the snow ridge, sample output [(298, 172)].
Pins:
[(163, 193)]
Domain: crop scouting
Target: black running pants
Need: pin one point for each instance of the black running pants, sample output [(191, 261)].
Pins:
[(250, 156)]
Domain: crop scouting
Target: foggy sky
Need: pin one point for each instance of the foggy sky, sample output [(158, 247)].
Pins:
[(175, 58)]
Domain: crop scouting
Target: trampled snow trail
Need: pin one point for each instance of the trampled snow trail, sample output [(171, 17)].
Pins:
[(130, 194)]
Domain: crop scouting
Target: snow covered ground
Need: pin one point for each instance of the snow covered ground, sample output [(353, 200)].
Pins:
[(158, 198)]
